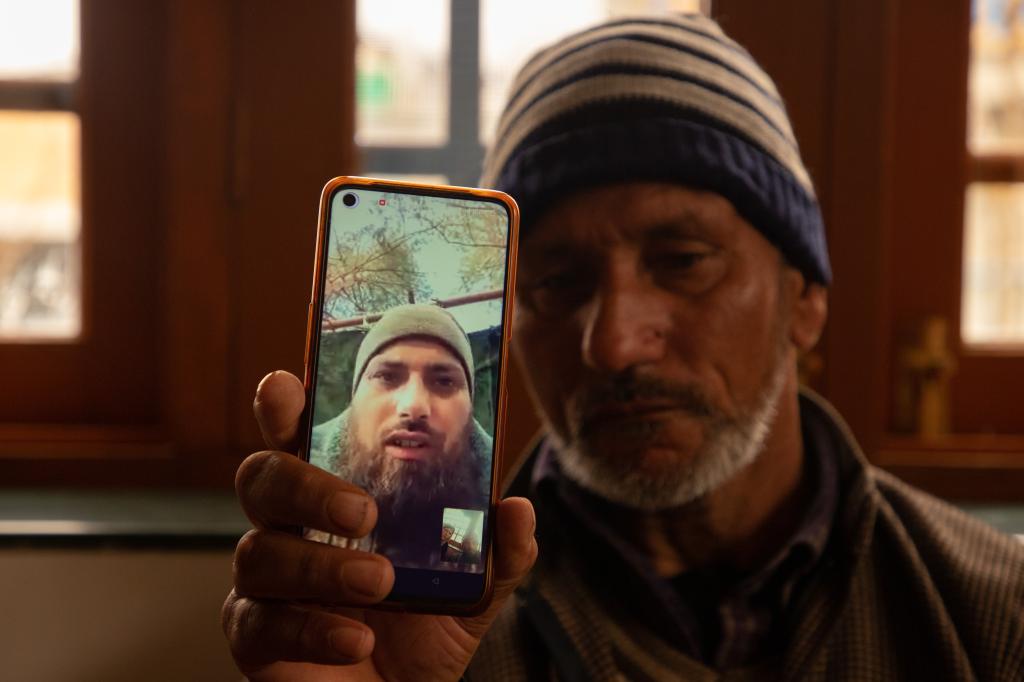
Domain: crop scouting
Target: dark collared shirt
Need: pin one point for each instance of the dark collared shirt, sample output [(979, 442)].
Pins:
[(720, 619)]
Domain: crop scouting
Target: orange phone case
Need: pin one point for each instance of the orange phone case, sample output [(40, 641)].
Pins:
[(312, 344)]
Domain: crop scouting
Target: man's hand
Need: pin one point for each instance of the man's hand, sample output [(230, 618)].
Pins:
[(297, 611)]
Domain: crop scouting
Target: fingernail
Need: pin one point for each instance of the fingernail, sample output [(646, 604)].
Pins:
[(348, 641), (363, 577), (348, 510)]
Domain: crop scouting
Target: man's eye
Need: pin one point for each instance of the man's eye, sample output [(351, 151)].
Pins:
[(680, 260), (558, 291), (688, 271), (556, 281), (385, 376), (445, 384)]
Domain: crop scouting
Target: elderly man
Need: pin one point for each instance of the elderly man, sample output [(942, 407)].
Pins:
[(447, 552), (699, 516), (409, 438)]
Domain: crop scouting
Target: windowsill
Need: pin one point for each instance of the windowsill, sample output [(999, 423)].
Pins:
[(146, 518), (136, 518), (1008, 518)]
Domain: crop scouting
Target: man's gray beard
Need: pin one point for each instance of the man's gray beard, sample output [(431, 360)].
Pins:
[(730, 445), (400, 486)]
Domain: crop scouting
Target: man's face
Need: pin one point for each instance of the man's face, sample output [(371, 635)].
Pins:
[(652, 322), (410, 421), (413, 402), (446, 534)]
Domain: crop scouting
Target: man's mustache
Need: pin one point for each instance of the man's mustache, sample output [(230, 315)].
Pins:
[(595, 400), (413, 426)]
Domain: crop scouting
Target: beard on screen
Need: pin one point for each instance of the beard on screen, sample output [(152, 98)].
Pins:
[(404, 489)]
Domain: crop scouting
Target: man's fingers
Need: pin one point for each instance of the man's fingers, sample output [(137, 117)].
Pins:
[(278, 490), (515, 550), (273, 565), (280, 398), (262, 632)]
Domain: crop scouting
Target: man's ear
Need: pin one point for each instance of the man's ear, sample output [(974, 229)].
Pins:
[(809, 312)]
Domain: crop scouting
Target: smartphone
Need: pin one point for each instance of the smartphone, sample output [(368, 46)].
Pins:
[(405, 375)]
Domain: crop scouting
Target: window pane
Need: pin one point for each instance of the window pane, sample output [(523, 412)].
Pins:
[(510, 32), (996, 101), (993, 297), (39, 225), (39, 39), (402, 73)]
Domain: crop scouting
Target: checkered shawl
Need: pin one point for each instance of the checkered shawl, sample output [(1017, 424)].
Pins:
[(909, 588)]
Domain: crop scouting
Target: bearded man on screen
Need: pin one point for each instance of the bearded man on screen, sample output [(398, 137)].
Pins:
[(409, 437)]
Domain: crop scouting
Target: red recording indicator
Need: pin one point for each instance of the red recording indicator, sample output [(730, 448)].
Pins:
[(381, 202)]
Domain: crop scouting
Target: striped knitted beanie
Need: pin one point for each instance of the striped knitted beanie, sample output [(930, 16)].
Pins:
[(660, 98)]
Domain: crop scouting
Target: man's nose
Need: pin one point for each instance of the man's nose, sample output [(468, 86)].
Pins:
[(412, 401), (627, 323)]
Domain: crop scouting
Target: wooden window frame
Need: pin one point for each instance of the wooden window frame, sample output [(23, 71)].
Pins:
[(880, 113), (205, 200), (983, 458), (208, 129)]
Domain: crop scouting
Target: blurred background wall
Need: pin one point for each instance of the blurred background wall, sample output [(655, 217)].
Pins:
[(114, 615)]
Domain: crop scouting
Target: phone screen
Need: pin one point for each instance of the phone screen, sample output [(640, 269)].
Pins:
[(406, 375)]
